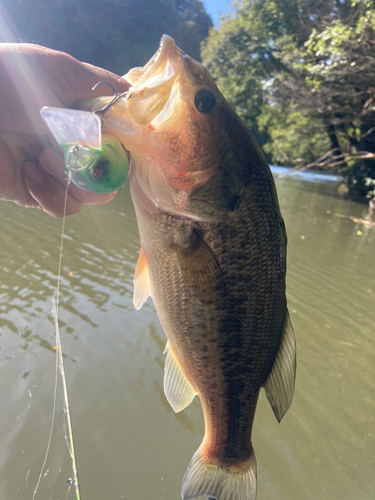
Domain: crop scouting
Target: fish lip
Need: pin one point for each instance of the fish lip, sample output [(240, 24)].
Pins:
[(165, 42), (167, 45), (167, 50)]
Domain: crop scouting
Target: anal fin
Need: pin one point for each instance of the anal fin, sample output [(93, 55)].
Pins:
[(177, 388), (141, 281), (279, 385)]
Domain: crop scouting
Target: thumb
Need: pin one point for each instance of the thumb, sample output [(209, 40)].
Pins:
[(80, 78)]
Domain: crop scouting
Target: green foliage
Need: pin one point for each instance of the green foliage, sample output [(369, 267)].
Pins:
[(294, 138), (303, 71), (114, 34)]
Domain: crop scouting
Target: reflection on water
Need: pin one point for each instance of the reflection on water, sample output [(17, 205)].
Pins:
[(129, 443), (307, 175)]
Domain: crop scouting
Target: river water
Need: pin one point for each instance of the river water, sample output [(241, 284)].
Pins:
[(129, 443)]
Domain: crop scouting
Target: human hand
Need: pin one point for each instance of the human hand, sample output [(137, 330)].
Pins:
[(31, 168)]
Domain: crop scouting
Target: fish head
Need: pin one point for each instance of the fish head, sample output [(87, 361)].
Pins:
[(184, 138)]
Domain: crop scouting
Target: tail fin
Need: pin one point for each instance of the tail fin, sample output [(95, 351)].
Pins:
[(220, 481)]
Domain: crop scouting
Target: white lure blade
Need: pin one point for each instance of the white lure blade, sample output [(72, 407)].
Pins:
[(71, 126)]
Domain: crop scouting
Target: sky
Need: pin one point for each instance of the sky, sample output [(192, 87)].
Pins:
[(214, 7)]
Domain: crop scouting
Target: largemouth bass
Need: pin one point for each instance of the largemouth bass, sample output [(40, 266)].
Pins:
[(213, 259)]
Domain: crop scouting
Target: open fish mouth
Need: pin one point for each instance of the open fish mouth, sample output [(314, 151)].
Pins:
[(167, 52), (162, 66), (153, 95)]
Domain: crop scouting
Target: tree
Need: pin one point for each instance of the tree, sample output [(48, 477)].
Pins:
[(309, 65), (114, 34)]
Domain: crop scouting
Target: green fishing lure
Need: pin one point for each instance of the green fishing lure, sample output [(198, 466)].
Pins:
[(94, 162)]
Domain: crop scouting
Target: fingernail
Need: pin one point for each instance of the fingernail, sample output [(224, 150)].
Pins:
[(32, 172)]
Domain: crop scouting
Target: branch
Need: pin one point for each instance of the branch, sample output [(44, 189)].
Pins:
[(339, 159), (336, 161), (367, 133)]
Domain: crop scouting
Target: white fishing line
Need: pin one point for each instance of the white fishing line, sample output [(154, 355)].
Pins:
[(59, 365)]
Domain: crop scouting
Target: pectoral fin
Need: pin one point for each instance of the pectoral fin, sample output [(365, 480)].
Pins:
[(201, 269), (279, 385), (141, 281), (177, 388)]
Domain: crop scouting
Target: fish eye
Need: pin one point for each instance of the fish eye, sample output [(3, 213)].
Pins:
[(205, 101)]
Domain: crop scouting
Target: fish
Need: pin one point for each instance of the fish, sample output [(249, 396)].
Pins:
[(213, 259)]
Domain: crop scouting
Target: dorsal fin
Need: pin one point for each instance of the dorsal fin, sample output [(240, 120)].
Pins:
[(279, 385), (177, 388), (141, 281)]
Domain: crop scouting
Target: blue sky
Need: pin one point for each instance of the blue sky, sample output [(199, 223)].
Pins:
[(214, 7)]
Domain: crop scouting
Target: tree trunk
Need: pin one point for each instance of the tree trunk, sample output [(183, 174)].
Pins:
[(330, 129)]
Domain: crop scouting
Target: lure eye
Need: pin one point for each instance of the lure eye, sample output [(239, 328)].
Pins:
[(97, 171), (205, 101)]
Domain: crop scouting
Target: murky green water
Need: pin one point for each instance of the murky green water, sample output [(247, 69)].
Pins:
[(129, 443)]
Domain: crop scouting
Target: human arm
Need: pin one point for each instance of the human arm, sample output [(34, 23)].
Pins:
[(31, 168)]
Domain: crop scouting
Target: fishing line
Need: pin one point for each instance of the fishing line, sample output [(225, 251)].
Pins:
[(59, 366)]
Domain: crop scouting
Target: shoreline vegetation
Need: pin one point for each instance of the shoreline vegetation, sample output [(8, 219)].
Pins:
[(299, 73)]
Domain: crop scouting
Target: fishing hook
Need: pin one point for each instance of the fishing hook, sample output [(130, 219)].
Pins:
[(115, 98)]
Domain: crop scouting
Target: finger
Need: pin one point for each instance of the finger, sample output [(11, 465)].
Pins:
[(52, 162), (12, 186), (80, 78), (30, 203), (48, 192)]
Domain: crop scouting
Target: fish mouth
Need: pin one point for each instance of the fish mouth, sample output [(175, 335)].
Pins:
[(153, 95), (158, 105), (167, 52), (162, 66)]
